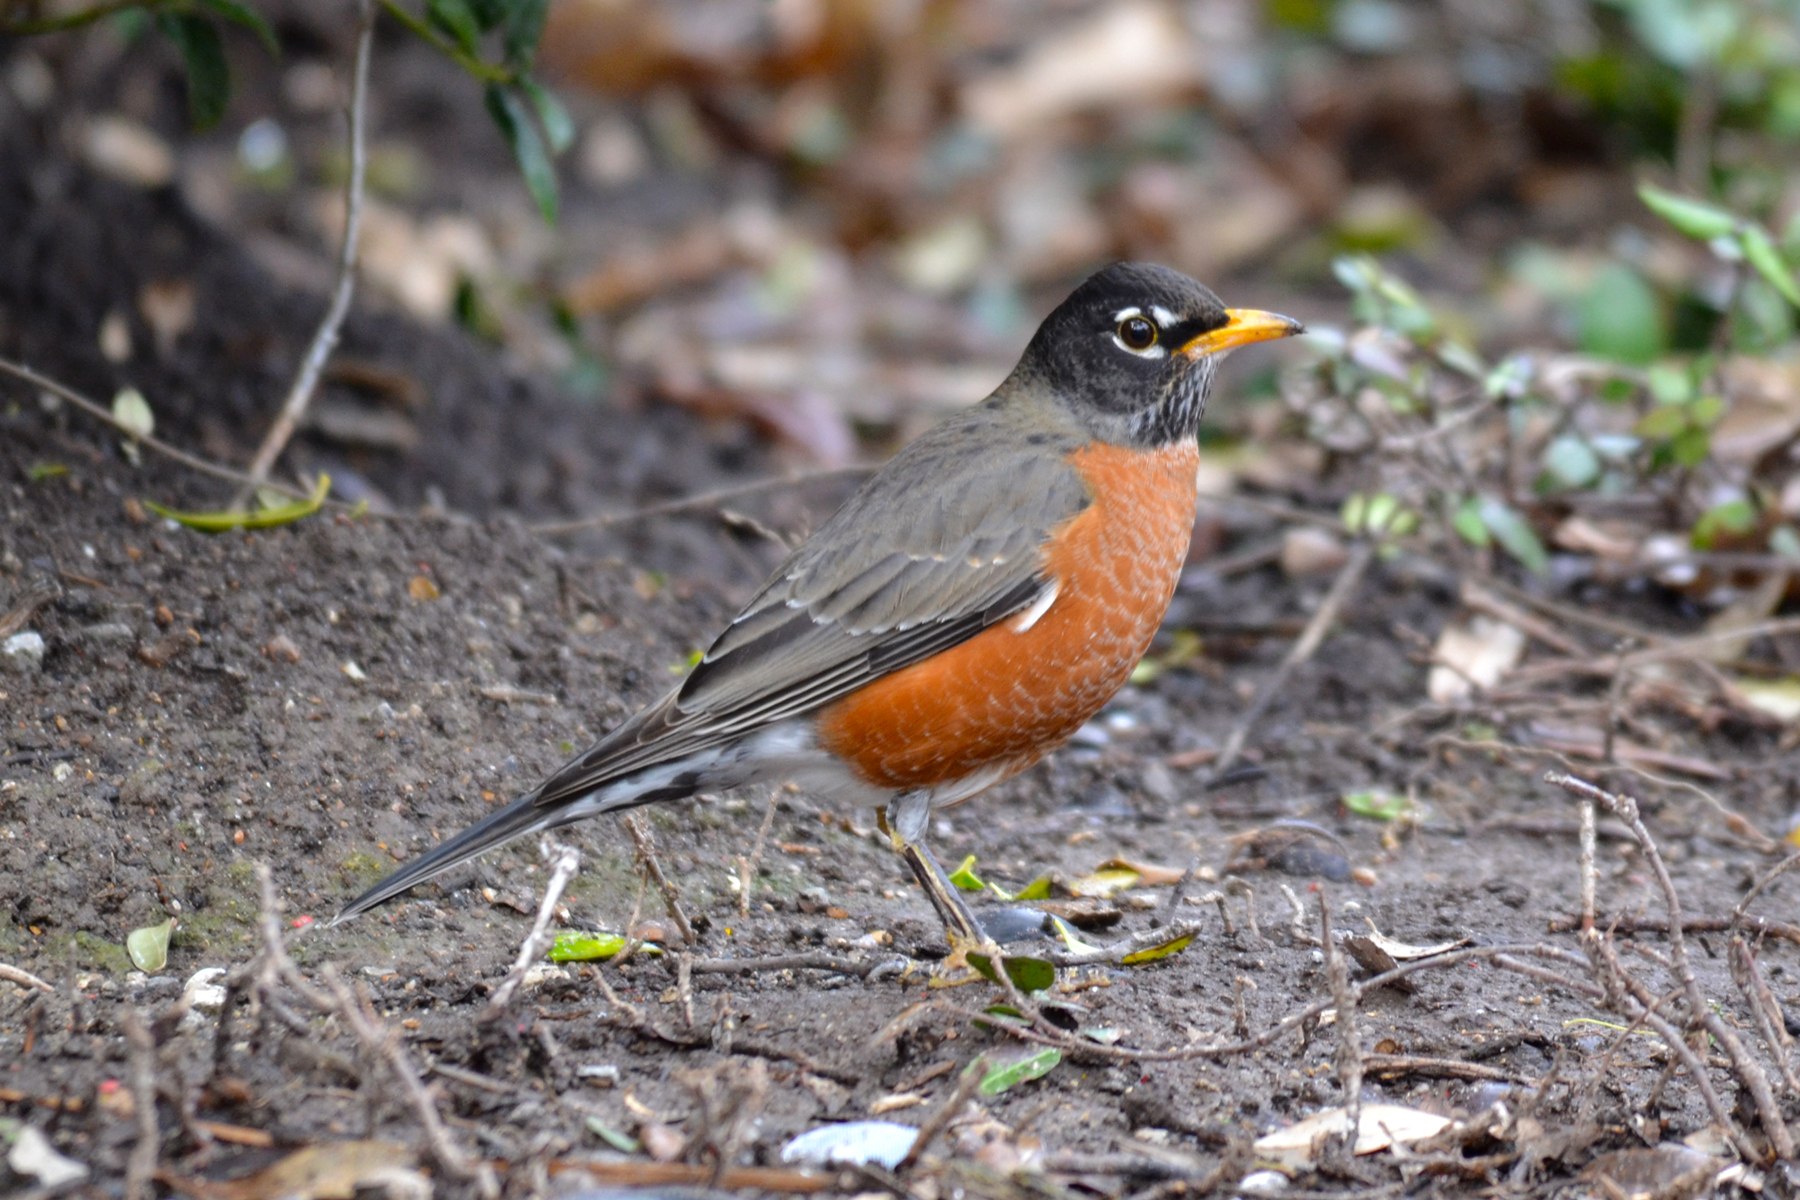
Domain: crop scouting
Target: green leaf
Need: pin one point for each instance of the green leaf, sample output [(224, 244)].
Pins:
[(510, 114), (559, 127), (578, 945), (149, 946), (249, 18), (208, 76), (1065, 933), (1021, 1070), (1378, 806), (1467, 522), (38, 472), (1701, 221), (1571, 462), (1514, 534), (1620, 318), (1037, 889), (132, 412), (1028, 974), (1691, 446), (1163, 950), (262, 518), (964, 877), (523, 26), (457, 19), (1761, 252), (1664, 421), (618, 1139), (1732, 517)]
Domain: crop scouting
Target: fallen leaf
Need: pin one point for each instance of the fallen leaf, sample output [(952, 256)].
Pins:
[(149, 946), (1164, 950), (1015, 1071), (1379, 1127), (327, 1171)]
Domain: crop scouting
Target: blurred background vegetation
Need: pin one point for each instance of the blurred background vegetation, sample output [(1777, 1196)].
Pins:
[(820, 223)]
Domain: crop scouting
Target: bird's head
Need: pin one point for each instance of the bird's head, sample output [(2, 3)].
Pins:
[(1133, 350)]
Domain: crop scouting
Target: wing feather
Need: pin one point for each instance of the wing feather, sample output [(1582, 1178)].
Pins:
[(931, 551)]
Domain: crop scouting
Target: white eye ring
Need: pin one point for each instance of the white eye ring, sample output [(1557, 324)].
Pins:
[(1130, 328)]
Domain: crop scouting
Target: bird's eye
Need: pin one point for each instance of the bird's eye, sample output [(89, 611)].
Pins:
[(1137, 333)]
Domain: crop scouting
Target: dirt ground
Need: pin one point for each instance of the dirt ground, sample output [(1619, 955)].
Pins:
[(330, 698)]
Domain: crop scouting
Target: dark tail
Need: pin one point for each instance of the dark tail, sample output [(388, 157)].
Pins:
[(524, 815)]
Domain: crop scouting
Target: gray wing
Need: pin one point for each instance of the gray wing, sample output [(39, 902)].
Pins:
[(931, 551)]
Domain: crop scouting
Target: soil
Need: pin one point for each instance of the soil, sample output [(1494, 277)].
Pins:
[(332, 697)]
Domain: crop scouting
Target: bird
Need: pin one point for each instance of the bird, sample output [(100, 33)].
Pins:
[(961, 615)]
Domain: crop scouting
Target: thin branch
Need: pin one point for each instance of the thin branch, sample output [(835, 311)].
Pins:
[(564, 862), (707, 499), (306, 380), (23, 978), (101, 413), (1342, 588), (81, 17)]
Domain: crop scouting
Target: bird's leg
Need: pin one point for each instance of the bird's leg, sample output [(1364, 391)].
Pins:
[(904, 822)]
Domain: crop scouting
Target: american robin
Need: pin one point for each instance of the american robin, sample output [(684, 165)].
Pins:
[(962, 614)]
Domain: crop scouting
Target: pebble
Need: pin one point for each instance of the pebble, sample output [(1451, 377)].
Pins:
[(23, 653), (1263, 1183)]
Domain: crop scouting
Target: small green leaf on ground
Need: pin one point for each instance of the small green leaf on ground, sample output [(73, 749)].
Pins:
[(1037, 889), (1697, 219), (618, 1139), (1514, 533), (38, 472), (577, 945), (149, 946), (964, 877), (1010, 1074), (1065, 933), (1379, 806), (1151, 953), (1028, 974), (262, 518)]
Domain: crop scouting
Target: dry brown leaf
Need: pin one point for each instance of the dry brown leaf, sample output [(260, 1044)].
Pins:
[(1379, 1127), (327, 1171)]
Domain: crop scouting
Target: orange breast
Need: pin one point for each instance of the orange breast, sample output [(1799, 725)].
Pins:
[(1007, 696)]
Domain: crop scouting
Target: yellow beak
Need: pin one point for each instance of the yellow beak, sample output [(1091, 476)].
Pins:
[(1242, 326)]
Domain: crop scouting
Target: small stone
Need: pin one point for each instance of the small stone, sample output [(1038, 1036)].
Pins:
[(1263, 1183), (281, 648), (23, 653)]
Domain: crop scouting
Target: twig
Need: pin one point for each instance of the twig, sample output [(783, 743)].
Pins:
[(1341, 589), (747, 865), (23, 978), (1755, 1080), (861, 968), (325, 337), (1649, 923), (1348, 1058), (646, 849), (104, 415), (353, 1007), (946, 1112), (707, 499), (1746, 972), (564, 862), (141, 1166)]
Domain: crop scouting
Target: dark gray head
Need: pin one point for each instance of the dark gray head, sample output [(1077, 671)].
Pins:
[(1132, 351)]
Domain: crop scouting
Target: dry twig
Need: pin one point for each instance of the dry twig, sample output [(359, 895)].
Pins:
[(318, 351), (1342, 588), (565, 861), (646, 850)]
